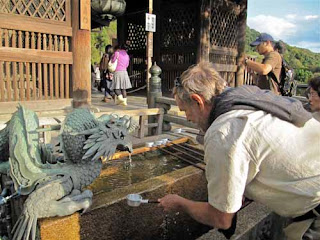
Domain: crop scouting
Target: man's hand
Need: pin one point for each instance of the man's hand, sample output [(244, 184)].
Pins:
[(171, 203), (202, 212)]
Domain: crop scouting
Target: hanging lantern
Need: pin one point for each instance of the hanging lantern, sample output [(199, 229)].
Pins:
[(110, 7)]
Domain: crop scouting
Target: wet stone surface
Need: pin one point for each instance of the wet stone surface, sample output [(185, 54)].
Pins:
[(123, 172)]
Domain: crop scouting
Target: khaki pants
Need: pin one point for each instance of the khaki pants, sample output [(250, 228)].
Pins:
[(305, 230)]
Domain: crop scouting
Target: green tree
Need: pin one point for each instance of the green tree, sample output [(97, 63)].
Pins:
[(303, 75), (100, 39)]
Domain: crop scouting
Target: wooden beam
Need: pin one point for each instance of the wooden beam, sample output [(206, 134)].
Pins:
[(68, 13), (119, 155), (142, 121), (204, 34), (81, 68), (9, 54), (223, 51), (166, 100), (149, 53), (85, 12), (178, 120), (242, 24), (157, 35), (136, 112), (2, 97), (159, 122), (225, 67), (32, 24)]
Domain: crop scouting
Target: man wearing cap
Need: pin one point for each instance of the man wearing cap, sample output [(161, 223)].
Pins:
[(271, 63)]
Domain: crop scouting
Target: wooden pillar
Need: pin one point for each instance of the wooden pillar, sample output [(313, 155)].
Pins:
[(204, 35), (157, 34), (242, 23), (81, 51), (122, 29), (149, 51)]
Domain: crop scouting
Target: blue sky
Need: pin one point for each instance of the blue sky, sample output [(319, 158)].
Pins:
[(296, 22)]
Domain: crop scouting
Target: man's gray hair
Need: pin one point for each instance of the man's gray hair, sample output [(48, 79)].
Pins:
[(200, 79)]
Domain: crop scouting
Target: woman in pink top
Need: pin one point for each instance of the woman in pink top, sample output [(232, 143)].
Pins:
[(121, 80)]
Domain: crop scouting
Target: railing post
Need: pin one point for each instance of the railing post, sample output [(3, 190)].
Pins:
[(155, 85), (155, 91)]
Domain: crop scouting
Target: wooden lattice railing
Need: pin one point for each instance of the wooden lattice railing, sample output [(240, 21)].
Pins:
[(35, 56), (179, 24), (44, 9), (223, 30)]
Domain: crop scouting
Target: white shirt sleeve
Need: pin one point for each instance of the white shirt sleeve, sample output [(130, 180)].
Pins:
[(227, 165)]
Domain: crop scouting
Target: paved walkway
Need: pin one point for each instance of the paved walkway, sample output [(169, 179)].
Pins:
[(134, 102), (47, 110)]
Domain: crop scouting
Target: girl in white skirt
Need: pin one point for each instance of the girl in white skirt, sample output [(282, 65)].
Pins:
[(121, 81)]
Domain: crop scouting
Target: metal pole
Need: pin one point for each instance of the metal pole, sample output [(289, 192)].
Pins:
[(200, 155), (183, 159)]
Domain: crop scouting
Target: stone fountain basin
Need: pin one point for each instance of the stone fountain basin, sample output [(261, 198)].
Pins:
[(110, 217)]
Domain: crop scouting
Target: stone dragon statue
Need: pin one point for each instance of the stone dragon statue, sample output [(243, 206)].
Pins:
[(54, 183)]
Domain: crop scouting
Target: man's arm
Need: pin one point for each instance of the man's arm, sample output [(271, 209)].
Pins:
[(260, 68), (200, 211)]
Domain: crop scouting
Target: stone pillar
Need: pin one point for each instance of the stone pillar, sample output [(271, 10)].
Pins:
[(154, 92), (155, 85), (81, 51)]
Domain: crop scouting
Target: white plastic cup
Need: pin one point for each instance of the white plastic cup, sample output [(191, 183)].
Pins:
[(149, 144), (164, 141), (158, 143), (177, 130)]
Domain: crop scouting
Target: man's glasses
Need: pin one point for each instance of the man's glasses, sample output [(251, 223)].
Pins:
[(313, 94), (177, 82)]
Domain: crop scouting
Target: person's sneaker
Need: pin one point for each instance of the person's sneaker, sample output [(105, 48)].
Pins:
[(106, 99)]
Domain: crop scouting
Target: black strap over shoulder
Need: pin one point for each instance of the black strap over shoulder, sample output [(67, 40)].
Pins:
[(274, 78), (307, 215)]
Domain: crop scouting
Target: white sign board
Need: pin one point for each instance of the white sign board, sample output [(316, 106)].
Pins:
[(150, 22)]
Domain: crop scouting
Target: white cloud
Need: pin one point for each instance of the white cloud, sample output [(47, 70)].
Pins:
[(279, 28), (310, 17), (313, 46), (291, 16)]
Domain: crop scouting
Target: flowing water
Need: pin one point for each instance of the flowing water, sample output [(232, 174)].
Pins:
[(133, 169)]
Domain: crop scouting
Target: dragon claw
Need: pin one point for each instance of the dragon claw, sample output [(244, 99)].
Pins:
[(75, 202)]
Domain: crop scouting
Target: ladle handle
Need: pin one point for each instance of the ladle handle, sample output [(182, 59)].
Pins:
[(153, 201)]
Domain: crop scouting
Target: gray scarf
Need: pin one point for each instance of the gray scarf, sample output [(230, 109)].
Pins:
[(253, 98)]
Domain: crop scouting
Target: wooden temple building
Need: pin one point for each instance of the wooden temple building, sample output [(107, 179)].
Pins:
[(45, 44)]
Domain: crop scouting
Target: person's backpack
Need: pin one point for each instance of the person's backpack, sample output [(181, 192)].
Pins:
[(286, 83)]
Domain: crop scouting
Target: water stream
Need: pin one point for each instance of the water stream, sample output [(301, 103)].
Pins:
[(133, 169)]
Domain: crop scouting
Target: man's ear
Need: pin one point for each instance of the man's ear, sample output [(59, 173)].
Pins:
[(198, 99)]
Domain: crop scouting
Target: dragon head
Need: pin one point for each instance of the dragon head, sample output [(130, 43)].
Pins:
[(110, 134)]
